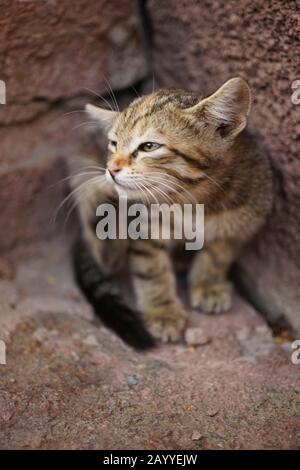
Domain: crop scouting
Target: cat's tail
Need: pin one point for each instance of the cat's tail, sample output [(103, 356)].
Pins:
[(99, 289)]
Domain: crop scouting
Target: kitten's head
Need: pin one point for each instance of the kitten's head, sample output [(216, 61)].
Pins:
[(172, 142)]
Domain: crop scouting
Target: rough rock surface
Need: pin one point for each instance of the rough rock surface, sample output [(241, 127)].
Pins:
[(70, 384), (55, 56), (52, 50), (199, 45), (30, 197)]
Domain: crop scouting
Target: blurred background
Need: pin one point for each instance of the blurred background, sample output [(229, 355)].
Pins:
[(57, 55)]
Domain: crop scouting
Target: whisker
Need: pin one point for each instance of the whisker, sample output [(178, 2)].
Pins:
[(162, 179), (150, 192), (68, 197), (162, 192), (76, 201), (75, 111), (153, 82), (168, 186), (142, 178), (71, 177), (137, 185), (135, 91), (94, 123), (101, 98), (94, 167), (112, 93), (210, 178), (153, 195)]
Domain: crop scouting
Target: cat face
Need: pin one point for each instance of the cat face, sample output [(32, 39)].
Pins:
[(172, 142)]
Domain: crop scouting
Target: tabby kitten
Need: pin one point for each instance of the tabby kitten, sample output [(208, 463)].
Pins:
[(174, 146)]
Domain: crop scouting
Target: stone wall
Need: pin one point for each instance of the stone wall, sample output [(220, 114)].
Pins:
[(54, 55), (200, 44)]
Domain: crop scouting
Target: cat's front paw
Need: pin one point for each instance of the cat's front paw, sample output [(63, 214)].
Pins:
[(212, 298), (167, 322)]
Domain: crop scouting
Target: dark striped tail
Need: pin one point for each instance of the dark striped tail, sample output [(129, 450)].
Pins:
[(100, 290)]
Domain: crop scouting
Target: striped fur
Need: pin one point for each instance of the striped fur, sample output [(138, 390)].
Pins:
[(205, 156)]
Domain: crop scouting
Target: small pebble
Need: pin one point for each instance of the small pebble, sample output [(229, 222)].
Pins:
[(90, 340), (196, 436), (212, 412), (243, 334), (196, 337), (40, 334), (132, 380)]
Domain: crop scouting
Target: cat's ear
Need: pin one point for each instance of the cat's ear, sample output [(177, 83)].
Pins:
[(105, 117), (227, 109)]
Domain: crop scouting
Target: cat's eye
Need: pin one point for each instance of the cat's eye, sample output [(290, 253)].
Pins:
[(112, 145), (149, 146)]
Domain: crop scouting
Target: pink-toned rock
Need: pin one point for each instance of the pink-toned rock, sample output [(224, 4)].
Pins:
[(67, 46), (48, 134), (54, 57), (196, 436), (29, 201)]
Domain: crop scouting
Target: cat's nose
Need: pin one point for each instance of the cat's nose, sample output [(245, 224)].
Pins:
[(113, 168)]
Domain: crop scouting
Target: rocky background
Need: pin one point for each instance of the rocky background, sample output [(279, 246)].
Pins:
[(54, 57), (68, 382)]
